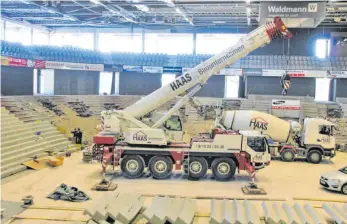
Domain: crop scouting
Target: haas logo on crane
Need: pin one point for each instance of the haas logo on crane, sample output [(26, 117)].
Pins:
[(140, 136), (180, 81), (258, 123)]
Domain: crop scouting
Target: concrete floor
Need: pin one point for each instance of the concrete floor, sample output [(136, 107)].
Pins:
[(280, 180)]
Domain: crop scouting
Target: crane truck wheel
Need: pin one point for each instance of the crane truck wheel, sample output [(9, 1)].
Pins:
[(160, 167), (344, 189), (132, 166), (314, 156), (223, 168), (287, 155), (196, 169)]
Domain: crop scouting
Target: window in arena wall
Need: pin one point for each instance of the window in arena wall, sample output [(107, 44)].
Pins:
[(322, 48), (215, 43), (47, 81), (17, 33), (322, 89), (105, 83), (232, 87), (81, 40), (169, 43), (166, 78), (40, 37), (120, 42)]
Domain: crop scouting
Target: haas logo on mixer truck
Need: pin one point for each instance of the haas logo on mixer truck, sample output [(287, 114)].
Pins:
[(180, 81), (140, 136), (258, 123)]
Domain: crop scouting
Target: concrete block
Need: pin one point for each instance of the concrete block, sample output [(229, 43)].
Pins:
[(187, 213), (316, 219), (216, 213), (238, 212), (175, 208), (127, 214), (121, 204), (344, 207), (156, 203), (91, 221), (301, 214), (333, 214), (292, 216), (98, 210), (228, 212), (252, 216), (271, 216), (340, 211), (159, 217)]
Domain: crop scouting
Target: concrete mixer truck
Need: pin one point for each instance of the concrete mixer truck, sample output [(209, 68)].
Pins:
[(313, 140), (132, 139)]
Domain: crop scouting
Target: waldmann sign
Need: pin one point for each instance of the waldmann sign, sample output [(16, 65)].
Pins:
[(294, 14)]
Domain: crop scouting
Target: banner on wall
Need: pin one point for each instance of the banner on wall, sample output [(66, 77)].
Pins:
[(19, 62), (286, 108), (113, 68), (295, 73), (131, 68), (303, 14), (174, 70), (151, 69), (40, 64), (4, 60), (285, 104), (337, 74), (74, 66), (231, 71)]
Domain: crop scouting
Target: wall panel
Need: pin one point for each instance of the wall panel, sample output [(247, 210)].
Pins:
[(341, 87), (68, 82), (133, 83), (214, 87), (271, 86), (17, 81)]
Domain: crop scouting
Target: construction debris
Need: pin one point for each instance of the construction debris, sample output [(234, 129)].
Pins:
[(50, 105), (66, 193), (117, 208), (80, 108), (28, 200)]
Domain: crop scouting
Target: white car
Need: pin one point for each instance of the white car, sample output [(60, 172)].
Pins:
[(335, 180)]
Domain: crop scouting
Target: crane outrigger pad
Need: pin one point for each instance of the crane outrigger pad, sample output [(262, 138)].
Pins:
[(252, 189)]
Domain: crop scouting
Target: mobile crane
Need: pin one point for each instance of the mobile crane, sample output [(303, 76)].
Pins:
[(312, 141), (134, 142)]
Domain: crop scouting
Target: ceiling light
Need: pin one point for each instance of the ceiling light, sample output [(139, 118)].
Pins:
[(95, 1), (143, 8), (218, 22), (178, 10)]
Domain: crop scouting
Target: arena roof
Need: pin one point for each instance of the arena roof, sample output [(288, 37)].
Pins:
[(149, 13)]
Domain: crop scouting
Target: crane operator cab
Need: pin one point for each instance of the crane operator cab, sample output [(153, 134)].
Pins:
[(173, 126)]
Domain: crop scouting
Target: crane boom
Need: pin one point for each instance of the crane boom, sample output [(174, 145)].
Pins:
[(202, 72)]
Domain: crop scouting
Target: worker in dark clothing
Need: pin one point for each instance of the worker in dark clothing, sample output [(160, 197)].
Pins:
[(79, 136), (74, 135)]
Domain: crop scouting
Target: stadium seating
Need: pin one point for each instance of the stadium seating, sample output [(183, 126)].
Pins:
[(78, 55)]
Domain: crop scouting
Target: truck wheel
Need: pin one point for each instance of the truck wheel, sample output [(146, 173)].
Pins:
[(223, 168), (344, 189), (197, 168), (287, 155), (314, 156), (132, 166), (160, 167)]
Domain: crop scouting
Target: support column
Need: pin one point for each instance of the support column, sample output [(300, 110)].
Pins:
[(143, 40), (113, 89), (3, 29), (96, 40), (31, 36), (38, 81), (194, 43)]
